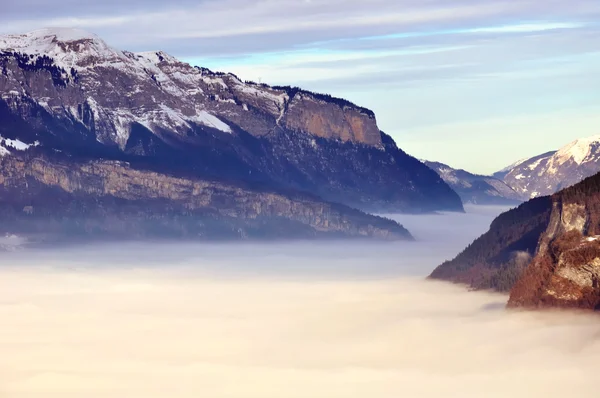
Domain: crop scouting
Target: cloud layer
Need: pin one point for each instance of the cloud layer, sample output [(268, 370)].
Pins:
[(156, 332), (294, 320)]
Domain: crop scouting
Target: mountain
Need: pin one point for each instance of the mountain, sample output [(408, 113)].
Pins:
[(550, 172), (71, 93), (56, 198), (502, 173), (546, 252), (496, 259), (476, 189)]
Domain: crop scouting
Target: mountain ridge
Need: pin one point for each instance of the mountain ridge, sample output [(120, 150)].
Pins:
[(475, 188), (552, 171), (151, 108)]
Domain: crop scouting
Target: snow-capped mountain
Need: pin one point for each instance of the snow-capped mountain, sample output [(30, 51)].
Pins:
[(74, 95), (474, 188), (550, 172)]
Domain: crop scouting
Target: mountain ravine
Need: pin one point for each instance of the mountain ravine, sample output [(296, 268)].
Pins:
[(546, 252), (69, 91)]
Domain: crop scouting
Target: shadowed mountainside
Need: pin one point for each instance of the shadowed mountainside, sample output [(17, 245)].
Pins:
[(59, 199)]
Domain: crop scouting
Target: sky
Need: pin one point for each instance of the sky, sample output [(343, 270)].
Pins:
[(476, 84)]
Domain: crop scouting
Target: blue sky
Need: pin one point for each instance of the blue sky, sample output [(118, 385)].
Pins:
[(475, 84)]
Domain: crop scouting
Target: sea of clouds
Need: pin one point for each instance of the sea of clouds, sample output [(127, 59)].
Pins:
[(296, 319)]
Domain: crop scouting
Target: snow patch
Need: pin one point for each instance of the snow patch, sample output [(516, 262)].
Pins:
[(209, 120), (17, 144), (535, 164), (7, 144)]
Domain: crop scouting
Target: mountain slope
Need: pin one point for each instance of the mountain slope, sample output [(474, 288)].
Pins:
[(496, 259), (476, 189), (59, 198), (553, 171), (71, 92), (546, 252)]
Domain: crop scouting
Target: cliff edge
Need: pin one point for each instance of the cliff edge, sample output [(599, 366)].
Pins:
[(546, 252)]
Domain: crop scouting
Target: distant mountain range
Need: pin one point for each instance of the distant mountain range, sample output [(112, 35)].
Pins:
[(537, 176), (73, 103), (474, 188)]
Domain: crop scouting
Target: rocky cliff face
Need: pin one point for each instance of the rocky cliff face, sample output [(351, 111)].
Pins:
[(565, 271), (71, 92), (476, 189), (545, 252), (41, 195)]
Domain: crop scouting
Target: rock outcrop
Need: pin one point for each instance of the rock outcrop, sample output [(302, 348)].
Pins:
[(545, 252), (69, 91), (72, 200), (565, 271)]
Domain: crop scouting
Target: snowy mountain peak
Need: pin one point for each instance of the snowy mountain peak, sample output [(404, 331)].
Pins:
[(41, 40), (548, 173), (125, 90), (64, 34), (69, 48), (578, 150)]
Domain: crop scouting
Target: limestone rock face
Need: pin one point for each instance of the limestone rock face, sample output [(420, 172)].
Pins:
[(565, 271), (98, 197), (332, 121), (546, 252)]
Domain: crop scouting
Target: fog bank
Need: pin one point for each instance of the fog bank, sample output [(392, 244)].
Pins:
[(295, 320)]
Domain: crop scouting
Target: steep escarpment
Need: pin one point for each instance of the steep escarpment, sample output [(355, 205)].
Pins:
[(565, 272), (546, 252), (44, 195), (330, 118), (71, 92)]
